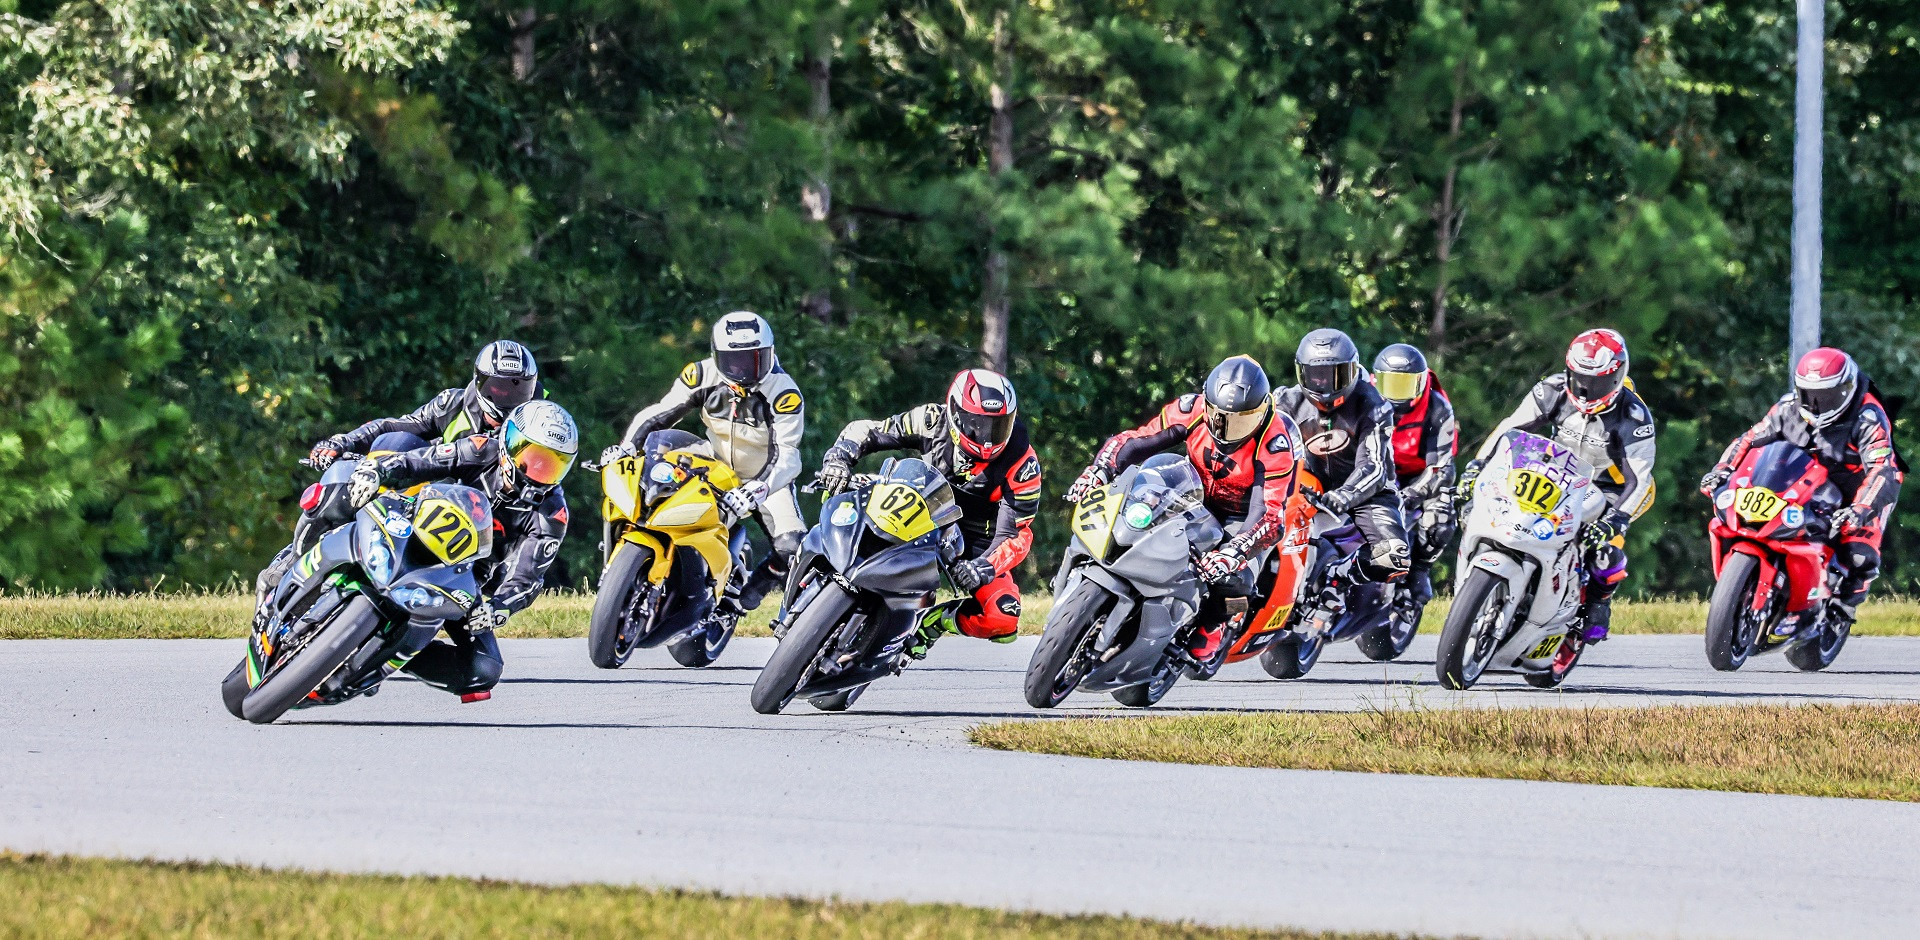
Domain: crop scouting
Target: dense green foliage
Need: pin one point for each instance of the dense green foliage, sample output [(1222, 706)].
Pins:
[(231, 228)]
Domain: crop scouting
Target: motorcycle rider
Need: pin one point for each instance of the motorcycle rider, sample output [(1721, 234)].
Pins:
[(1593, 410), (505, 377), (1834, 413), (1246, 454), (520, 470), (977, 440), (1425, 440), (754, 416), (1353, 457)]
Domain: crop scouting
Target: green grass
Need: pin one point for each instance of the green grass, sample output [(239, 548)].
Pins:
[(1866, 751), (564, 614), (71, 897)]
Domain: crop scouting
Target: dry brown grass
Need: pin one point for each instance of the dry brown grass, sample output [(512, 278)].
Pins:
[(69, 897), (1868, 751)]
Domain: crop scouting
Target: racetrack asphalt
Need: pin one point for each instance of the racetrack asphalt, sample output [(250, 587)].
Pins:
[(659, 775)]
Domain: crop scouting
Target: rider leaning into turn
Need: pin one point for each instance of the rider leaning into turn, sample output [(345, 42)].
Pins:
[(520, 471), (1834, 413), (755, 417), (1592, 410), (978, 442), (1246, 454), (1354, 459), (1425, 440), (504, 378)]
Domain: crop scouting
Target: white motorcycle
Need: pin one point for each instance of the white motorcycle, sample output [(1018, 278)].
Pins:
[(1520, 569)]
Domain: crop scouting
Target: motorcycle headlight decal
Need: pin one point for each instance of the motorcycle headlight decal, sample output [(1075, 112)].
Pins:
[(1723, 500), (1139, 515), (687, 513), (379, 562), (413, 597)]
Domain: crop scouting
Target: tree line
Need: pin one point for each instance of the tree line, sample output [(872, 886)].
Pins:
[(231, 228)]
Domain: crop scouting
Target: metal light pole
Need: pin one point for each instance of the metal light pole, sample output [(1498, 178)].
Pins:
[(1808, 130)]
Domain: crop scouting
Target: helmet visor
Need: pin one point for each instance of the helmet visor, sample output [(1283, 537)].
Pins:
[(988, 433), (1399, 386), (506, 393), (1230, 427), (1327, 381), (537, 462), (1594, 388), (1825, 403), (744, 366)]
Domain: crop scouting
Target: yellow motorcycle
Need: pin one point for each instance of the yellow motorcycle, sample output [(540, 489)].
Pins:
[(669, 553)]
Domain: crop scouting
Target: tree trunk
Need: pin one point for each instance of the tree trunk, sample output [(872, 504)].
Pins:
[(816, 196), (996, 298), (1446, 223), (522, 21)]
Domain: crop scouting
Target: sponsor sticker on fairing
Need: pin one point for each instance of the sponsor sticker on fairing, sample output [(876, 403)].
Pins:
[(1792, 516)]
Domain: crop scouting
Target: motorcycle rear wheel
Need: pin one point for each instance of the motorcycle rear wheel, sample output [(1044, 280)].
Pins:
[(1388, 640), (1729, 610), (811, 628), (1478, 600), (702, 648), (233, 689), (1818, 654), (1554, 676), (839, 701), (1150, 692), (1069, 627), (610, 640), (338, 639)]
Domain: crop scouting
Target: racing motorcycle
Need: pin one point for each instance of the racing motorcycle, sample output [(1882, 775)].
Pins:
[(1775, 572), (364, 599), (1127, 590), (862, 583), (1521, 570), (668, 551), (1331, 606)]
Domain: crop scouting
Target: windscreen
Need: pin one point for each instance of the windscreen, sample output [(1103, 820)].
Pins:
[(1778, 465)]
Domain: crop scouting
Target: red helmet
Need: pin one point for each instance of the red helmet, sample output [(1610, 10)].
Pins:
[(1825, 383), (980, 410), (1596, 370)]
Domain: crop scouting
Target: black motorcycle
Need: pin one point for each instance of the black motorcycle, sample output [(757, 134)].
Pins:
[(861, 585), (363, 599)]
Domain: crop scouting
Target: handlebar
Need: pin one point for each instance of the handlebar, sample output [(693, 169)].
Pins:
[(307, 461)]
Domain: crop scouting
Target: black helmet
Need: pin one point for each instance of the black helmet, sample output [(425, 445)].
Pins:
[(1400, 373), (505, 376), (1328, 365), (1239, 399)]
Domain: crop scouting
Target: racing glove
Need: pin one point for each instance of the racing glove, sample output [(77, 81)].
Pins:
[(1337, 502), (745, 498), (1220, 564), (968, 576), (833, 476), (325, 453), (617, 451), (364, 485), (1468, 477), (1600, 533), (1714, 479), (1090, 479), (1851, 519), (487, 617)]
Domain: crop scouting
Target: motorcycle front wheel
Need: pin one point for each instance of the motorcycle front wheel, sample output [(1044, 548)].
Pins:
[(811, 628), (611, 636), (1472, 632), (1732, 627), (333, 644), (1064, 655)]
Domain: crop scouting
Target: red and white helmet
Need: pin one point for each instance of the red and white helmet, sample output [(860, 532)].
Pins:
[(1596, 370), (1825, 383), (980, 410)]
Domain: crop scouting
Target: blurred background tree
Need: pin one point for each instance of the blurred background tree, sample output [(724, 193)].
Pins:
[(232, 228)]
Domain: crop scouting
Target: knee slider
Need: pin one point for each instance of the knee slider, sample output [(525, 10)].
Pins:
[(1861, 559), (1389, 557)]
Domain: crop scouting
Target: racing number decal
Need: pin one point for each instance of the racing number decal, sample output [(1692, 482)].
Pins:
[(1534, 492), (1090, 515), (1093, 520), (1545, 647), (447, 531), (900, 511), (1757, 504)]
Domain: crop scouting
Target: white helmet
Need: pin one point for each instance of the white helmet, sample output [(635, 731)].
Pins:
[(743, 347), (538, 445)]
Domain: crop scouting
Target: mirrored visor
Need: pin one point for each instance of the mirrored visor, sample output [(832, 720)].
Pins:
[(1231, 426), (1399, 386), (540, 463)]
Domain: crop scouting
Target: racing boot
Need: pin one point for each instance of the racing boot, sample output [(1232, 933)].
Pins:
[(771, 573), (1419, 587), (1206, 642), (934, 622), (1597, 614), (269, 579)]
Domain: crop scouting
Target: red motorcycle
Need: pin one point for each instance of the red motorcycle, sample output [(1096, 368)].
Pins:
[(1775, 573)]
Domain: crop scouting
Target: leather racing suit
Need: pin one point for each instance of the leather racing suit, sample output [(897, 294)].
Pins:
[(1426, 438), (1359, 473), (446, 417), (756, 431), (1247, 485), (998, 500), (1858, 453), (1617, 443)]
